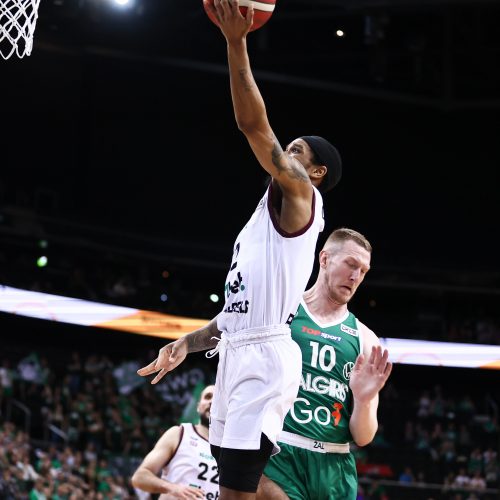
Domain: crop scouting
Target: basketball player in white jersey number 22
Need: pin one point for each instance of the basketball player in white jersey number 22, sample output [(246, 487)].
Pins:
[(181, 465)]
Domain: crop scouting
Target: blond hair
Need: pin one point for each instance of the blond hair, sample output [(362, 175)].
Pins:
[(344, 234)]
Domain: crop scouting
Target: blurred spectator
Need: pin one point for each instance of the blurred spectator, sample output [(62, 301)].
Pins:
[(462, 479), (406, 477), (27, 471), (409, 432), (424, 405), (377, 491), (475, 463), (8, 485), (465, 408), (6, 380), (464, 440), (477, 482)]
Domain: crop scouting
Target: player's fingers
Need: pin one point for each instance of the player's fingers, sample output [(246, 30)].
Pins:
[(234, 6), (225, 7), (210, 8), (371, 360), (163, 355), (359, 361), (174, 353), (382, 360), (388, 370), (249, 15), (147, 370), (192, 492), (218, 10), (159, 376)]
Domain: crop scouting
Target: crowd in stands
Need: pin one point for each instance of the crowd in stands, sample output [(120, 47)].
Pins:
[(92, 421), (439, 436), (87, 429)]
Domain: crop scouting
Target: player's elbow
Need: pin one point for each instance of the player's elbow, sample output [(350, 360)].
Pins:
[(363, 441), (363, 437), (251, 123), (136, 479)]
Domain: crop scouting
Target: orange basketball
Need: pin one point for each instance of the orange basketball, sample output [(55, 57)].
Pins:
[(263, 10)]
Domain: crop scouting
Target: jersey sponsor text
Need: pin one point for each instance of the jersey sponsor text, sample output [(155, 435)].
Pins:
[(312, 331), (322, 415), (324, 385), (241, 306)]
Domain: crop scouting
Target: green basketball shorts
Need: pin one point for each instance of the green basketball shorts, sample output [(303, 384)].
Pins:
[(308, 475)]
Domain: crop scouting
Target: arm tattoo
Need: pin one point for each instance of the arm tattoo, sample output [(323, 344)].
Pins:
[(287, 165), (245, 80), (277, 156), (202, 339)]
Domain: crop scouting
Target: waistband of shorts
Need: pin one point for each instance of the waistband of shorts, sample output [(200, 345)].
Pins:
[(257, 335), (311, 444)]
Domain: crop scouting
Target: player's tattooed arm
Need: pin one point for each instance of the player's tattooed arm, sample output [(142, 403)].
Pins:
[(246, 79), (286, 165), (204, 338)]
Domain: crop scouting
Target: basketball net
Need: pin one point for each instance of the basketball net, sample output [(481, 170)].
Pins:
[(17, 26)]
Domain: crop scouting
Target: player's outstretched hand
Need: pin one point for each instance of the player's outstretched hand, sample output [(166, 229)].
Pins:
[(169, 357), (370, 375), (232, 23)]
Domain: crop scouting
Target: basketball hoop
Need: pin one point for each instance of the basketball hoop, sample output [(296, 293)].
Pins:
[(17, 26)]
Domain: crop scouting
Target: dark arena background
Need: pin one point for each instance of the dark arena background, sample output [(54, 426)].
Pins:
[(124, 182)]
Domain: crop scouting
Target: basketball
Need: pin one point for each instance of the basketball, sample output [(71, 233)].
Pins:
[(263, 10)]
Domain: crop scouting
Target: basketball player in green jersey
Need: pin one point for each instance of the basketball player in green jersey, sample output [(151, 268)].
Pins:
[(343, 370)]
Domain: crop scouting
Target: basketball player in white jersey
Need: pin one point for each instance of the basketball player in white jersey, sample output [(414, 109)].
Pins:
[(181, 465), (259, 367)]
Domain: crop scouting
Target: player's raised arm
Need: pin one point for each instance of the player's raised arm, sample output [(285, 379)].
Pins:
[(249, 108)]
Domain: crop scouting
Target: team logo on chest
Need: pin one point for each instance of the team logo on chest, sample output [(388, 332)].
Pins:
[(346, 371)]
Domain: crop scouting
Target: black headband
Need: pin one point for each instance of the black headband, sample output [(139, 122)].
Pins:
[(328, 156)]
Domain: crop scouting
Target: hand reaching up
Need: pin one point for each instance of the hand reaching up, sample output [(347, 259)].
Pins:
[(370, 375)]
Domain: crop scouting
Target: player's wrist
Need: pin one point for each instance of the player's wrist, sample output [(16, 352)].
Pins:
[(362, 401), (237, 44), (167, 488)]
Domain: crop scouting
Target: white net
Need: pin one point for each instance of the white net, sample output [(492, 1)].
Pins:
[(17, 26)]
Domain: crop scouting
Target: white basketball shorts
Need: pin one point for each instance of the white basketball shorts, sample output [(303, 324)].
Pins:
[(258, 379)]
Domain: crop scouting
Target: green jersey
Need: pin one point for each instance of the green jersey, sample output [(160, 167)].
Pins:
[(324, 404)]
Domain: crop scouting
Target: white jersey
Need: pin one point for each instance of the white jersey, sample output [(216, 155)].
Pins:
[(193, 464), (269, 270)]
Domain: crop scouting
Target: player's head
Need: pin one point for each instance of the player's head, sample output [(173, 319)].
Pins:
[(344, 261), (325, 162), (204, 404)]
